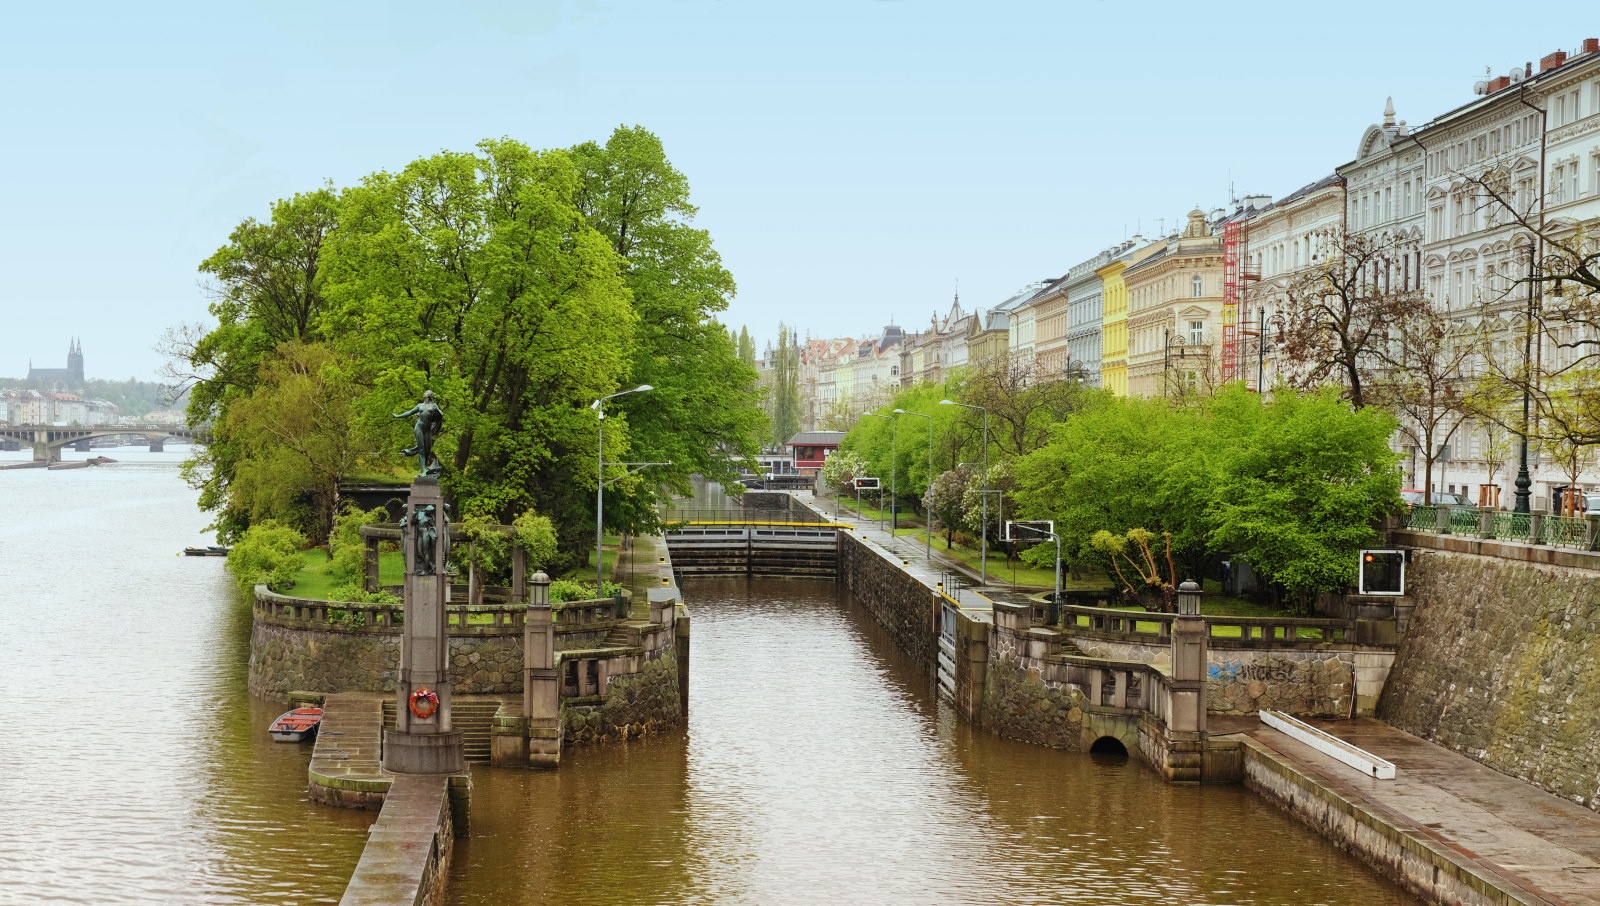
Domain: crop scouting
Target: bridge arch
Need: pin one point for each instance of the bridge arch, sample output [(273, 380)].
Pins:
[(48, 440)]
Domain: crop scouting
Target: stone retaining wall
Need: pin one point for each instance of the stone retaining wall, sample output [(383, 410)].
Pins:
[(1422, 863), (900, 602), (283, 659), (635, 704), (1499, 663)]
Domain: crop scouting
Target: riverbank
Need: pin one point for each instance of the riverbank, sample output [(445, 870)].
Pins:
[(1447, 828)]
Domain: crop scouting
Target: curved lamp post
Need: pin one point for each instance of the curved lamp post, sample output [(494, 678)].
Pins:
[(983, 536), (600, 486), (928, 517)]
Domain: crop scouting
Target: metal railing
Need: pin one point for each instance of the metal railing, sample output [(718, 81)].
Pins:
[(1497, 525)]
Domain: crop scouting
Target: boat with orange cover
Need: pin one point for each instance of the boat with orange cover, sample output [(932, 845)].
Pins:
[(297, 725)]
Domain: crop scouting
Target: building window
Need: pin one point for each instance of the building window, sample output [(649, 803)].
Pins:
[(1197, 287), (894, 370), (1197, 332)]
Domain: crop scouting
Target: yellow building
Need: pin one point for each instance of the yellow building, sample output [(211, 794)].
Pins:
[(1114, 313), (1114, 328)]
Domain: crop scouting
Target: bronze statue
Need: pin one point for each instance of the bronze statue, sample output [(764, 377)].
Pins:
[(430, 418), (428, 527)]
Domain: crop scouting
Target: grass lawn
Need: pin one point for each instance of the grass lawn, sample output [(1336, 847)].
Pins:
[(314, 580)]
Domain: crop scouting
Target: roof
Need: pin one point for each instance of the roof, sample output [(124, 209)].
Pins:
[(816, 439)]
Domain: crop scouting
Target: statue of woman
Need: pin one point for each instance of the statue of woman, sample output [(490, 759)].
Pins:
[(430, 418)]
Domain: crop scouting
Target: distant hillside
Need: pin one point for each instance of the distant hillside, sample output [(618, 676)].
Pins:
[(131, 397)]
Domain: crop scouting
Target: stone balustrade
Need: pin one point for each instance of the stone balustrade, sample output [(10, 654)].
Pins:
[(498, 616), (1225, 632)]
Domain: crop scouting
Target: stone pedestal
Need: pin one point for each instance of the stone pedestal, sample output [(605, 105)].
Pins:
[(534, 738), (424, 743)]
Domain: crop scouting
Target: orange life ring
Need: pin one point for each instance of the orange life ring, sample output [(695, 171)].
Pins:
[(423, 703)]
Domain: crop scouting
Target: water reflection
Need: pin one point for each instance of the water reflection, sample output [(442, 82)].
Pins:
[(138, 770), (819, 767)]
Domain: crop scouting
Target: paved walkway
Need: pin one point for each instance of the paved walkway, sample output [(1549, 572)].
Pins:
[(914, 552), (1540, 846)]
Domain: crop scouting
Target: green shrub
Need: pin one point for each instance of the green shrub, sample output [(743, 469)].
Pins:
[(573, 590), (268, 553), (348, 551)]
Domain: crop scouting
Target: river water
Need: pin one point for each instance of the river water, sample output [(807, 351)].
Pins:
[(818, 766)]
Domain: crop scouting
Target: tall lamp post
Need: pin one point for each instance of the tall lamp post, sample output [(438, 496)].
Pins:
[(929, 516), (983, 536), (1524, 481), (600, 485), (892, 422)]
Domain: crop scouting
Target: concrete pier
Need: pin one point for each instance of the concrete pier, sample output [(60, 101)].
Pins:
[(1447, 828)]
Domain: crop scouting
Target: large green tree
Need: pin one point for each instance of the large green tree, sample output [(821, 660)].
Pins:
[(703, 415), (476, 275), (267, 290)]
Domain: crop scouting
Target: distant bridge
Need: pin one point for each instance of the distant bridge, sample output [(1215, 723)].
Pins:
[(47, 440)]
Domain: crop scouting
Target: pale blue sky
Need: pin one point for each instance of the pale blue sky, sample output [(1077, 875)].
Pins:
[(851, 159)]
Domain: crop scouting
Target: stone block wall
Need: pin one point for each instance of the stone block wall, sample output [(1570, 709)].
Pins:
[(1501, 662), (634, 704), (283, 659), (901, 604)]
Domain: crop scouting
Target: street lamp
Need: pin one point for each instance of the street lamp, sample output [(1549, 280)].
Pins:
[(928, 510), (891, 421), (600, 486), (1525, 482), (983, 536)]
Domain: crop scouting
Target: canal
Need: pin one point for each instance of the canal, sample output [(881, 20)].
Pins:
[(818, 766)]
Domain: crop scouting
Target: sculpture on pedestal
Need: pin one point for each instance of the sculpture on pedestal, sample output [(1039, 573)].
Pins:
[(430, 418)]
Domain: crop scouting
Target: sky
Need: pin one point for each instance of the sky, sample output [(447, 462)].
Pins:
[(856, 162)]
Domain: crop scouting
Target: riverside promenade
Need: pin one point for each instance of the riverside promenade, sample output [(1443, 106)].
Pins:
[(1447, 827)]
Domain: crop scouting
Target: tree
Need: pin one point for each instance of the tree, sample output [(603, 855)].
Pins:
[(1023, 399), (785, 387), (946, 500), (1123, 463), (1338, 310), (267, 290), (1428, 360), (703, 416), (1299, 486), (476, 276), (295, 439), (747, 348)]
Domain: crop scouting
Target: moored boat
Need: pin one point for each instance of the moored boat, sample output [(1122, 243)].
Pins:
[(296, 725)]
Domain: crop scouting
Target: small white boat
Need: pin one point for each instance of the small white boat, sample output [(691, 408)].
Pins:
[(296, 725)]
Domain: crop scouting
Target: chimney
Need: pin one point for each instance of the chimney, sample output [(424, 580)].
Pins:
[(1551, 60), (1591, 45), (1499, 83)]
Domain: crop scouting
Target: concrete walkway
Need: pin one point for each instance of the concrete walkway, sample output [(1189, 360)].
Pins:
[(914, 552), (1538, 847)]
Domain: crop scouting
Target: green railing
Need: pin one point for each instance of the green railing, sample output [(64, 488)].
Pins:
[(1564, 531), (1464, 521), (1423, 518), (1559, 531)]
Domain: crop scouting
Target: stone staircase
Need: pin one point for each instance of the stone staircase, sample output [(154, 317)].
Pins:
[(473, 718), (618, 637)]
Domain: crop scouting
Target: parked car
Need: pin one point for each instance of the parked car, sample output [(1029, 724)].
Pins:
[(1413, 496)]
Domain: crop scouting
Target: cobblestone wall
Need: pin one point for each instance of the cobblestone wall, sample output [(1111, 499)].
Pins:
[(1019, 704), (1500, 664), (635, 704)]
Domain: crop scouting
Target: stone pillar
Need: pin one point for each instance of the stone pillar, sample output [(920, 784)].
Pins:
[(422, 741), (1184, 743), (541, 679)]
